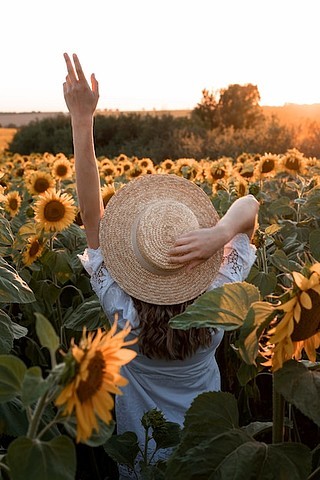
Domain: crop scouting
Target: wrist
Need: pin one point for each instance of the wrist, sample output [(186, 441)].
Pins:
[(82, 121)]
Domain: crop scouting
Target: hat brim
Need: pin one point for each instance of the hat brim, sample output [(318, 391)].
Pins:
[(116, 240)]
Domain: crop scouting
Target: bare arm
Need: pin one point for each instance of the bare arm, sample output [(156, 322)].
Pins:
[(199, 245), (81, 100)]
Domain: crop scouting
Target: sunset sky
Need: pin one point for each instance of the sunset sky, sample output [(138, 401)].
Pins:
[(150, 54)]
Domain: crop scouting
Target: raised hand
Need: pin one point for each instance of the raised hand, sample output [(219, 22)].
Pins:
[(80, 97)]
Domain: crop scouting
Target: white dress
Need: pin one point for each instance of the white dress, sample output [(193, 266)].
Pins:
[(167, 385)]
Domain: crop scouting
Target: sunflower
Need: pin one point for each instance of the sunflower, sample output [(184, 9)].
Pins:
[(299, 327), (12, 203), (167, 165), (294, 162), (267, 166), (107, 192), (91, 375), (54, 211), (33, 250), (218, 170), (39, 182), (188, 168), (61, 168), (146, 163)]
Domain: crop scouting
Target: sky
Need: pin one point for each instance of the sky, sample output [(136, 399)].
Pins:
[(150, 54)]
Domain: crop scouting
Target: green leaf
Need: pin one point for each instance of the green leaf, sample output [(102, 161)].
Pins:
[(258, 318), (9, 331), (88, 313), (123, 448), (46, 333), (166, 436), (207, 456), (12, 371), (12, 288), (18, 330), (224, 307), (6, 334), (254, 428), (280, 260), (266, 282), (258, 460), (39, 460), (6, 235), (314, 240), (210, 414), (301, 387), (58, 262), (13, 417), (33, 386)]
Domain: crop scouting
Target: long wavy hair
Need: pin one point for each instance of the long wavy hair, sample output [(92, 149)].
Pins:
[(158, 340)]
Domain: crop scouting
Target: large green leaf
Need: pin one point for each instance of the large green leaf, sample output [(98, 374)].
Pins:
[(89, 314), (224, 307), (220, 411), (12, 288), (301, 387), (214, 447), (123, 448), (12, 371), (37, 460)]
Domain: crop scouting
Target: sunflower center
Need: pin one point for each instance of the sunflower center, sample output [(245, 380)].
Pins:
[(54, 211), (88, 388), (34, 249), (13, 203), (218, 174), (61, 170), (293, 164), (309, 321), (267, 166), (41, 185)]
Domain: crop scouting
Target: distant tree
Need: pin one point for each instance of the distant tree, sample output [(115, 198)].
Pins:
[(239, 106), (206, 111), (310, 142), (236, 106)]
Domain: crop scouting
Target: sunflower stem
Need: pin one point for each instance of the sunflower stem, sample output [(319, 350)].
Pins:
[(278, 404), (34, 424), (315, 474), (4, 467)]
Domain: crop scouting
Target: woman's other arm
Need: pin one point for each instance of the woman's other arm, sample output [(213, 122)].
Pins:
[(197, 246), (81, 100)]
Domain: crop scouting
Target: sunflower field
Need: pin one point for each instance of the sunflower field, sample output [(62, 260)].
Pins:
[(56, 380)]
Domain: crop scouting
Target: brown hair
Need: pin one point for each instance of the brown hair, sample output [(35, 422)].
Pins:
[(158, 340)]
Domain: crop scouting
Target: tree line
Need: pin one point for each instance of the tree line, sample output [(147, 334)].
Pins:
[(224, 123)]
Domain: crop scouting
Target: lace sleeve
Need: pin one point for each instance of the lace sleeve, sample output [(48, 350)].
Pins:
[(112, 298), (239, 256)]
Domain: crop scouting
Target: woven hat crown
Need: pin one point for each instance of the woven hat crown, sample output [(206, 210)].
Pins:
[(155, 230)]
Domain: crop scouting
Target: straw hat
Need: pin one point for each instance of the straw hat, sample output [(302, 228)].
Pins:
[(141, 223)]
